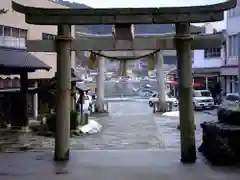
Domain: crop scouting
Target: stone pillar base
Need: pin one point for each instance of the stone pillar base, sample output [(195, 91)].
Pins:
[(163, 106), (160, 107), (103, 109), (99, 110), (64, 157)]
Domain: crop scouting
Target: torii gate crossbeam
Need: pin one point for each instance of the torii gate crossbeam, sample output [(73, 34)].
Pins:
[(180, 16), (104, 43)]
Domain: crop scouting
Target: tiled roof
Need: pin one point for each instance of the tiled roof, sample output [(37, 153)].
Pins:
[(20, 58)]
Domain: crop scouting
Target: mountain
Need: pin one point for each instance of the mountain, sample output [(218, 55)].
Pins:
[(79, 28), (139, 29), (72, 4)]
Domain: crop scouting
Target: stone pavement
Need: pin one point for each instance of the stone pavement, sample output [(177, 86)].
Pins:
[(133, 145), (129, 125), (108, 165), (168, 129)]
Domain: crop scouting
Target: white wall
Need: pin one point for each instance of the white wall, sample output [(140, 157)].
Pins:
[(233, 25), (233, 28), (201, 62)]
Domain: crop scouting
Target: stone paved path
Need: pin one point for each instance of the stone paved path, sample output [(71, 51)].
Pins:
[(170, 134), (129, 125), (117, 165)]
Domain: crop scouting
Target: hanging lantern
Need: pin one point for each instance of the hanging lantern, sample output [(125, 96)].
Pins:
[(151, 62), (92, 61)]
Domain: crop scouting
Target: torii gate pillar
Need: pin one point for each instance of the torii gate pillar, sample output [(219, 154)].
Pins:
[(161, 82), (63, 96), (184, 67), (100, 85)]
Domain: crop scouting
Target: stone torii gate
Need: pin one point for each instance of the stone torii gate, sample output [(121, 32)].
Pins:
[(180, 16)]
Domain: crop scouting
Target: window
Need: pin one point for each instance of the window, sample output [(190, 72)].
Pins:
[(46, 36), (230, 38), (170, 95), (22, 37), (212, 52), (154, 95), (8, 83), (232, 97), (13, 37), (236, 83), (1, 36), (233, 45), (7, 31), (1, 30), (201, 94), (15, 83)]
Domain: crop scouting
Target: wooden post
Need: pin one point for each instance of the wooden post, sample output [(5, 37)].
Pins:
[(35, 102), (63, 94), (184, 66), (19, 107)]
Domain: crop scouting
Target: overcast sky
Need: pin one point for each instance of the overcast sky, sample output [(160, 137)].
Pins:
[(149, 3)]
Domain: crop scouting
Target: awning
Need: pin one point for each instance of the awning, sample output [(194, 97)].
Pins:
[(196, 71), (195, 84), (16, 59)]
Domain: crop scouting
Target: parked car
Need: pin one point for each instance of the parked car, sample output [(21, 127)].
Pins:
[(229, 110), (202, 99), (169, 98), (145, 92)]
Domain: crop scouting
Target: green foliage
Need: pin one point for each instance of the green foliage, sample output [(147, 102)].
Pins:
[(51, 121), (92, 61)]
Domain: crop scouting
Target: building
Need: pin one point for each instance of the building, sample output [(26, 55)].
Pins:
[(14, 32), (13, 35), (207, 63), (230, 68)]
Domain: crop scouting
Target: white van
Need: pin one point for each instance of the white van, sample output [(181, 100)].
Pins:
[(202, 99)]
